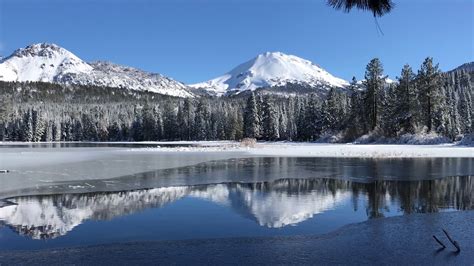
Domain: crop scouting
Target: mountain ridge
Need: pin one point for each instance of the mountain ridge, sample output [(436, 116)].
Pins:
[(274, 72), (48, 62)]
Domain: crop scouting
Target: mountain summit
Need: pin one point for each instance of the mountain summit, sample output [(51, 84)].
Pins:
[(41, 62), (51, 63), (271, 69)]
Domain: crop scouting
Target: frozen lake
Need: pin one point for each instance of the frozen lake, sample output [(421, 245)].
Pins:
[(73, 194)]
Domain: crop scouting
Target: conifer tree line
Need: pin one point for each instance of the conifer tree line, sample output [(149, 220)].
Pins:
[(426, 101)]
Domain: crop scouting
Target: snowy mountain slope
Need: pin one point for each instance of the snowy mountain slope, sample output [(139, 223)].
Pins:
[(51, 63), (40, 62), (271, 69), (112, 75)]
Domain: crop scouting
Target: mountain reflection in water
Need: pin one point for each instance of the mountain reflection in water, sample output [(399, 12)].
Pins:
[(273, 204)]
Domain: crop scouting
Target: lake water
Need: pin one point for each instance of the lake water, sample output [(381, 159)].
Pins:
[(230, 197)]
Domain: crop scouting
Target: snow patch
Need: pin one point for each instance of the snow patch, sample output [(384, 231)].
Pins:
[(305, 149), (362, 151), (412, 139)]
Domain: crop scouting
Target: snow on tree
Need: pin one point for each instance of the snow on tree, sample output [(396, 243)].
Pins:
[(440, 102), (270, 126), (429, 86), (374, 83), (251, 118)]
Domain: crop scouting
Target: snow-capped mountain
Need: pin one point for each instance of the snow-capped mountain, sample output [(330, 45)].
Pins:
[(41, 62), (51, 63), (268, 70)]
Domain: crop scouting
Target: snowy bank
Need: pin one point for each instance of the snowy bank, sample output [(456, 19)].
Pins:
[(296, 149), (306, 149), (463, 149), (362, 151)]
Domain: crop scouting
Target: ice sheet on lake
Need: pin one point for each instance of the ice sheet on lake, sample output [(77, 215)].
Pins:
[(71, 169), (40, 167)]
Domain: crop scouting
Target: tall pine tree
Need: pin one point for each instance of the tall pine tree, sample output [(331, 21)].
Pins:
[(407, 103), (429, 85), (251, 118), (374, 82)]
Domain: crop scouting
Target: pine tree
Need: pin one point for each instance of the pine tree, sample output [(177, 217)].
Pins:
[(429, 84), (186, 119), (236, 125), (159, 125), (466, 109), (356, 124), (251, 118), (115, 132), (374, 82), (302, 127), (56, 131), (283, 123), (407, 103), (313, 118), (67, 131), (27, 128), (389, 122), (202, 120), (169, 122), (5, 109), (38, 125), (77, 131), (291, 118), (149, 128), (270, 128), (332, 113), (90, 130)]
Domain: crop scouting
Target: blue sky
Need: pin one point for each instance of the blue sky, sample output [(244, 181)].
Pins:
[(195, 40)]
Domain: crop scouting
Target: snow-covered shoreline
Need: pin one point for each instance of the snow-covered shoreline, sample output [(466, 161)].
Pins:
[(287, 149), (363, 151), (305, 149)]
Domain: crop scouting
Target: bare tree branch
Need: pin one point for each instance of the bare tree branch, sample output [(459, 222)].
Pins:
[(455, 243), (439, 241)]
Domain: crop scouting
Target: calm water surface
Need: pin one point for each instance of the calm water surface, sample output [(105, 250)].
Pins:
[(234, 198)]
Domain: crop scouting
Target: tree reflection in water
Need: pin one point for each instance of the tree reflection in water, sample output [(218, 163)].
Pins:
[(271, 204)]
